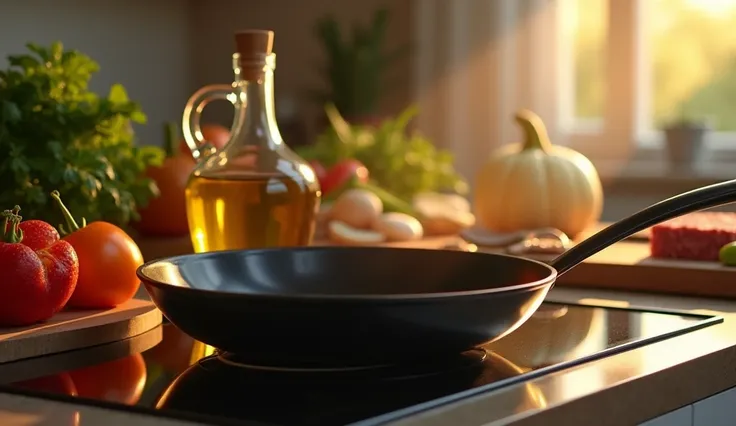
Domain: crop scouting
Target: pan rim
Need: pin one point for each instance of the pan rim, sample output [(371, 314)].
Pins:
[(548, 280)]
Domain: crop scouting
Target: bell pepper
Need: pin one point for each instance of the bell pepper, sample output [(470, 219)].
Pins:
[(40, 271)]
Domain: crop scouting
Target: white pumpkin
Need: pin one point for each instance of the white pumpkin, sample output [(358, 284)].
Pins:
[(536, 185)]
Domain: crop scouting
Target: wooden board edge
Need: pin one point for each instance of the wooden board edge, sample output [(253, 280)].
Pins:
[(650, 279), (86, 337), (54, 363)]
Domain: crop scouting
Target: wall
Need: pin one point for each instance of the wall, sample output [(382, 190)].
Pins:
[(298, 53), (141, 44), (163, 50)]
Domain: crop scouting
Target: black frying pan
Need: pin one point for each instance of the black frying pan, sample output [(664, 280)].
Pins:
[(339, 307)]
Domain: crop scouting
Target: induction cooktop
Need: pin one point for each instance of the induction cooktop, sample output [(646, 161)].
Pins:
[(183, 378)]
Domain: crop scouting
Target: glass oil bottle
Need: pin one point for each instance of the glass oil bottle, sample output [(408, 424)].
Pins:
[(255, 192)]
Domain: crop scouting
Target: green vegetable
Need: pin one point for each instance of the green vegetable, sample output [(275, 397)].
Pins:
[(401, 163), (355, 67), (727, 254), (57, 134)]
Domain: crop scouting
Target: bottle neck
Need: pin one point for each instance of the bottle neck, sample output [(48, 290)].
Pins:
[(257, 110)]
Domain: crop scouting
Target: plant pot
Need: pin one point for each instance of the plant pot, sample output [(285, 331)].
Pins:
[(684, 144)]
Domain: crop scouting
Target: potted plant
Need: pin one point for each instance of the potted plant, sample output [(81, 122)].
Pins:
[(356, 66), (684, 138)]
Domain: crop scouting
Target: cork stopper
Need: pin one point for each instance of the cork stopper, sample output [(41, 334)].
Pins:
[(254, 45)]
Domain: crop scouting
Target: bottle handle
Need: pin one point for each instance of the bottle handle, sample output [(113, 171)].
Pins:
[(193, 111)]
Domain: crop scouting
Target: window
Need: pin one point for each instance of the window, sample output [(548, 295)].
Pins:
[(605, 75), (629, 67)]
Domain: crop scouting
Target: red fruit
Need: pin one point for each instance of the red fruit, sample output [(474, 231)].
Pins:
[(343, 172), (38, 234), (36, 284), (166, 215), (108, 259)]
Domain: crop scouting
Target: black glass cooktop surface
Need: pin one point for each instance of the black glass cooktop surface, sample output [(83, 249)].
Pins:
[(165, 372)]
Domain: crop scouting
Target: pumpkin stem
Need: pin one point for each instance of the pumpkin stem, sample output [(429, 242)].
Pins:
[(535, 133)]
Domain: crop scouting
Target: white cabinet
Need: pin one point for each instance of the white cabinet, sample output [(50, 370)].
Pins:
[(680, 417), (717, 410)]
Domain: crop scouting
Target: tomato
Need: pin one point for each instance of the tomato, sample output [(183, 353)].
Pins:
[(341, 173), (166, 215), (215, 134), (108, 259), (121, 381)]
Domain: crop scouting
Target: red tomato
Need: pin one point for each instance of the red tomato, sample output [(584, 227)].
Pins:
[(166, 215), (108, 259), (341, 173), (120, 381), (215, 134)]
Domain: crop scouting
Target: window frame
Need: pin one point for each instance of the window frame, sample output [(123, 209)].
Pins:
[(627, 100), (479, 61)]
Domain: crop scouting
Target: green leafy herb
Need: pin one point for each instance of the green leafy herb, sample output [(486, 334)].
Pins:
[(356, 66), (57, 134), (401, 163)]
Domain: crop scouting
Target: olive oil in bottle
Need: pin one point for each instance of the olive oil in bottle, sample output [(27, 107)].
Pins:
[(258, 211), (255, 192)]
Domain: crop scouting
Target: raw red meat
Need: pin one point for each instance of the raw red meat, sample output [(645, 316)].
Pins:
[(696, 236)]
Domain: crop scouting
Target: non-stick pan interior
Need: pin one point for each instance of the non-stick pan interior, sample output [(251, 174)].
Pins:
[(345, 271)]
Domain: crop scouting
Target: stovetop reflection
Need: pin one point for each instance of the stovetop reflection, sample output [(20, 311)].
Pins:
[(219, 386), (183, 378)]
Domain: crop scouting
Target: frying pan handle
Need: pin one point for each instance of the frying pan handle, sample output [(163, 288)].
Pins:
[(688, 202)]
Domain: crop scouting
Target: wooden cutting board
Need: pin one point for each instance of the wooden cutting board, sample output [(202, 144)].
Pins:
[(69, 330), (627, 266)]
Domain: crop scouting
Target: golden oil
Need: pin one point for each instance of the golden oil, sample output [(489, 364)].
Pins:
[(252, 212)]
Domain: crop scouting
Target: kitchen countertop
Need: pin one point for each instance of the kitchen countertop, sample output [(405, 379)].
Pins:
[(672, 373)]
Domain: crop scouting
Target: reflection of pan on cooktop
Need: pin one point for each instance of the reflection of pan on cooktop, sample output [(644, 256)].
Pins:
[(548, 337), (221, 386)]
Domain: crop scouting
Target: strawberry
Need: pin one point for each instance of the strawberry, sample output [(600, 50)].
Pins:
[(41, 271)]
